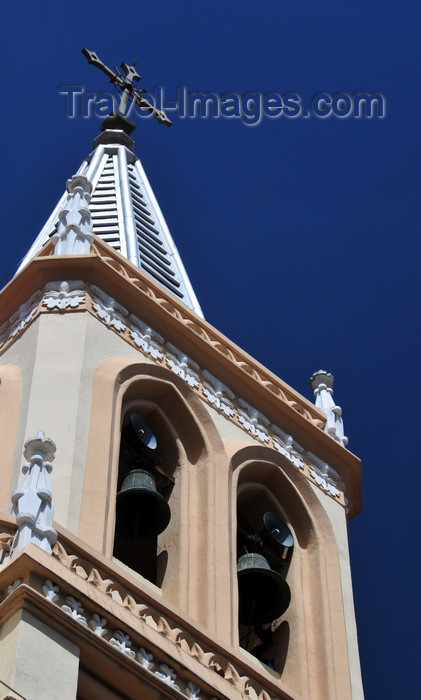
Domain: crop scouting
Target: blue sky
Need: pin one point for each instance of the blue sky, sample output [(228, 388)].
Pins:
[(300, 236)]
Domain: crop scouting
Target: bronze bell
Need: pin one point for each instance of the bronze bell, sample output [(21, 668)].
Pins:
[(263, 594), (142, 512)]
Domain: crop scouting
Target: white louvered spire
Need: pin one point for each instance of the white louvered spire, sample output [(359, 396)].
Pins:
[(125, 213)]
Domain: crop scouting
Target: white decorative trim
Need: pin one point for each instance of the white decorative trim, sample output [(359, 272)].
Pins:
[(183, 366), (147, 339), (33, 501), (322, 384), (218, 394), (64, 295), (286, 446), (51, 591), (109, 310), (253, 421), (123, 644), (98, 624), (122, 641), (75, 609), (74, 234), (193, 691), (325, 484), (167, 675), (23, 315), (20, 319), (145, 658)]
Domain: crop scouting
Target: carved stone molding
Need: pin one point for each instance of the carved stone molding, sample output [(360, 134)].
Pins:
[(155, 619), (64, 295), (174, 661), (124, 644), (20, 319)]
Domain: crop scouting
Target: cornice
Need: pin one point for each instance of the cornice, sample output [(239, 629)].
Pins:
[(99, 607)]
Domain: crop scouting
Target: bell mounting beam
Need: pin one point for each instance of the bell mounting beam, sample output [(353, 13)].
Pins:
[(125, 84)]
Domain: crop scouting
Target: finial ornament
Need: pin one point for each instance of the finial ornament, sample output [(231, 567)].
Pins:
[(33, 501), (74, 233), (322, 384), (125, 84)]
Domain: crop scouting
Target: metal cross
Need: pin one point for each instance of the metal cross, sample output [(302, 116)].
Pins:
[(125, 84)]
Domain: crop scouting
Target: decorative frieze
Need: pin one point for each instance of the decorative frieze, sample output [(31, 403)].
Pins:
[(145, 658), (98, 625), (159, 663), (287, 446), (122, 641), (75, 609), (325, 484), (193, 691), (118, 639), (325, 477), (183, 366), (108, 310), (50, 591), (168, 675), (253, 421), (194, 324), (23, 315), (124, 644), (218, 394), (76, 296), (145, 338), (64, 295)]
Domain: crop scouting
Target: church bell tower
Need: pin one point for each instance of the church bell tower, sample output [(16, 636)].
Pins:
[(172, 515)]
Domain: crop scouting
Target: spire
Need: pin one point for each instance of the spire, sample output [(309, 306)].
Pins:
[(122, 207)]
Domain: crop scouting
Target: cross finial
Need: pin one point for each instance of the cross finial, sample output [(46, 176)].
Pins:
[(125, 84), (131, 72)]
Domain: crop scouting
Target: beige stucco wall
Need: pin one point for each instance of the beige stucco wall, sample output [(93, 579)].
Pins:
[(36, 661), (336, 514)]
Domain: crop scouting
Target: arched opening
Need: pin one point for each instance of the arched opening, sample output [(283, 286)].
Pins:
[(264, 550), (310, 632), (191, 455), (147, 462), (168, 445)]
